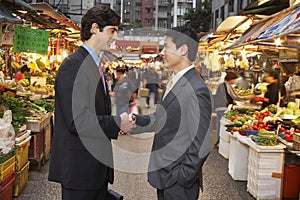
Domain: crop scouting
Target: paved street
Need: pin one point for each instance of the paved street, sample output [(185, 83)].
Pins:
[(218, 184)]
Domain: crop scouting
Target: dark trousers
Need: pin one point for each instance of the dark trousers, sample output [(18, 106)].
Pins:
[(70, 194), (152, 88), (177, 192)]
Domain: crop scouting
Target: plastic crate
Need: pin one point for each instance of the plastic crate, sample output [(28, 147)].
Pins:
[(7, 171), (7, 163), (262, 162), (7, 179), (224, 148), (223, 133), (238, 158), (7, 156), (21, 180), (7, 188), (22, 153)]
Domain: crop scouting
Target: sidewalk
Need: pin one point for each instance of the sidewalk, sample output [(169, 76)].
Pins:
[(218, 185)]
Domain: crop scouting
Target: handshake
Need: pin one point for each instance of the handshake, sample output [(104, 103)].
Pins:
[(127, 123)]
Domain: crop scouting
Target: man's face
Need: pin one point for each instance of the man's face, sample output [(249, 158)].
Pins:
[(170, 54), (106, 37)]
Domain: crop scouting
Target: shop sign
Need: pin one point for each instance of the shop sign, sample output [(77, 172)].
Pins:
[(31, 40)]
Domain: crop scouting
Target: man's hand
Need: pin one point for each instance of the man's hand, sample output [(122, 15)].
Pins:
[(127, 123)]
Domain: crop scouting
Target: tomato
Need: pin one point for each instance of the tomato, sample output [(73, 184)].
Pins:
[(255, 127), (289, 137), (282, 129), (297, 130), (287, 132), (266, 128)]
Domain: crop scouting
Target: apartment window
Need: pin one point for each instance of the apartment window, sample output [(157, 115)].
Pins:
[(230, 6), (216, 14), (147, 21), (148, 10), (222, 12), (241, 4)]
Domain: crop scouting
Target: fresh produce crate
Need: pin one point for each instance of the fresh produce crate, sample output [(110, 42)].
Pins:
[(22, 153), (7, 163), (7, 156), (21, 180), (224, 148), (263, 161), (238, 157), (223, 133), (6, 188), (7, 171)]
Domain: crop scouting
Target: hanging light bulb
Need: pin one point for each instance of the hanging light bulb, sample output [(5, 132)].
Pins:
[(225, 57), (277, 42), (243, 53)]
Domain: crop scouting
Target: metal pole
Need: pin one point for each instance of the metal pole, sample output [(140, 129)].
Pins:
[(122, 7), (156, 14), (175, 13)]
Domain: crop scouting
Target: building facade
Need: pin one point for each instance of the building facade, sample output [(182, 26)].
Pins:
[(221, 9), (160, 14)]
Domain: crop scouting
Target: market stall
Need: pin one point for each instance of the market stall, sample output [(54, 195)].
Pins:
[(27, 96)]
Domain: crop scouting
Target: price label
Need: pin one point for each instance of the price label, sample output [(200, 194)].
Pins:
[(292, 130)]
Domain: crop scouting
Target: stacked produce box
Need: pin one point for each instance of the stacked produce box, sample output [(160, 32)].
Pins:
[(259, 140), (22, 142), (7, 174)]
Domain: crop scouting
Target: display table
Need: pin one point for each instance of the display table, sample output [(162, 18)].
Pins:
[(238, 157), (224, 142), (263, 161)]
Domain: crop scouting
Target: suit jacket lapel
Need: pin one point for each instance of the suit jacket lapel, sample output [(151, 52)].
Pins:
[(177, 88)]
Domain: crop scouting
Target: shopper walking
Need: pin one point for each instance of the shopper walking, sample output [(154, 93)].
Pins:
[(226, 95), (151, 78), (81, 156)]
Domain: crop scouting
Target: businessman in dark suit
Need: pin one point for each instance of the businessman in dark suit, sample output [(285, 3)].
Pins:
[(81, 157), (181, 122)]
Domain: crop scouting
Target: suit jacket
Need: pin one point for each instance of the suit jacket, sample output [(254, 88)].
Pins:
[(81, 156), (182, 138)]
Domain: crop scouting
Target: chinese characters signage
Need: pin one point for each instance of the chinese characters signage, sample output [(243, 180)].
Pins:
[(31, 40)]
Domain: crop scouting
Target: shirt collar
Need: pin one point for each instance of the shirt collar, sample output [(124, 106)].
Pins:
[(179, 74), (94, 55)]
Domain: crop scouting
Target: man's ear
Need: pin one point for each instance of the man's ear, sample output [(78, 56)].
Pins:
[(94, 28), (183, 50)]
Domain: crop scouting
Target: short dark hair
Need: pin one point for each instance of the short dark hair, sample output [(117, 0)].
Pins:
[(230, 76), (273, 73), (185, 35), (121, 70), (100, 14)]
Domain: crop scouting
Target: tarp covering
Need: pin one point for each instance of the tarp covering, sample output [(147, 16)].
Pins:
[(265, 7), (277, 25)]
